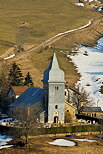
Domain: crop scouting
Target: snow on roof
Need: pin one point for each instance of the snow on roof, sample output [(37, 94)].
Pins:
[(5, 119), (62, 142), (29, 97)]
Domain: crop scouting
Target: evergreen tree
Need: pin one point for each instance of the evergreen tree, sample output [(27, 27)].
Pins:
[(28, 80), (4, 87), (15, 75)]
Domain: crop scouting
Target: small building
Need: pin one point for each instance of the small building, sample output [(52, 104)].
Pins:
[(70, 112), (15, 91), (32, 101), (92, 112)]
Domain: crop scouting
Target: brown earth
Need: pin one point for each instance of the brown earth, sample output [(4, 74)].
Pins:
[(41, 146)]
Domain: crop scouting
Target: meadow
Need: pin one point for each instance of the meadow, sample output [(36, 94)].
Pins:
[(43, 19), (41, 146)]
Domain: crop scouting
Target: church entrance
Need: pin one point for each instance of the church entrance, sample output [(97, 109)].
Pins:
[(56, 119)]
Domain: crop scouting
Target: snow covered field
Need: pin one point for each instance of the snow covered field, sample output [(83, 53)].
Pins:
[(89, 63), (4, 141)]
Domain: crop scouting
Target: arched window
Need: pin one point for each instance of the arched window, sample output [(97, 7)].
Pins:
[(56, 106)]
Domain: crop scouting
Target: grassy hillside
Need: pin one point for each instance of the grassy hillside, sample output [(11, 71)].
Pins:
[(44, 18)]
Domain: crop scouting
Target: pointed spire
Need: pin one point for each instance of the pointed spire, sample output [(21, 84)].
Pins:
[(54, 73), (55, 64)]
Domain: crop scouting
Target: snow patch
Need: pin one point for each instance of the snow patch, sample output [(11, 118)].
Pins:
[(79, 4), (91, 69), (62, 142), (86, 140), (4, 141), (11, 56), (100, 8), (88, 0), (5, 146), (92, 1)]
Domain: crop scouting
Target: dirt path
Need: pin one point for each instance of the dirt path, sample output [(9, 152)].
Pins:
[(57, 36)]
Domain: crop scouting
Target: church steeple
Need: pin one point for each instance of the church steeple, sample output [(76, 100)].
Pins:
[(55, 62), (54, 73), (54, 83)]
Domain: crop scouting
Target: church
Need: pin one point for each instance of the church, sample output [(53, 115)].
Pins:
[(47, 104)]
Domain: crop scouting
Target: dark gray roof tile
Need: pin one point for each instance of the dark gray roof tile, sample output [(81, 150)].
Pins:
[(91, 109), (29, 97)]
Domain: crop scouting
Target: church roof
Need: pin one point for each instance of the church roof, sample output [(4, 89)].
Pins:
[(18, 90), (28, 98), (53, 73)]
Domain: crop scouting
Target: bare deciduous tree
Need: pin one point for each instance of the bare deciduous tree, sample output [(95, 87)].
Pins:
[(82, 99), (27, 123)]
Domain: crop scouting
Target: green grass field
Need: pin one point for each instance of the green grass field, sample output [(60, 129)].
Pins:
[(46, 18)]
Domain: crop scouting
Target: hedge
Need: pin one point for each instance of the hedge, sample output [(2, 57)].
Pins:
[(72, 129), (55, 130)]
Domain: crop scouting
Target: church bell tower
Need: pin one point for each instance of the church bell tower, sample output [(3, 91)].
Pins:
[(54, 85)]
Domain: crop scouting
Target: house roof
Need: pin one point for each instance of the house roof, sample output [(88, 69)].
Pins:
[(18, 90), (70, 105), (28, 98), (74, 90), (53, 73), (91, 109)]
